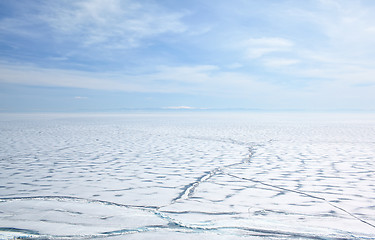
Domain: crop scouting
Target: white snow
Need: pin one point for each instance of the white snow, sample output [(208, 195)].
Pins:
[(187, 175)]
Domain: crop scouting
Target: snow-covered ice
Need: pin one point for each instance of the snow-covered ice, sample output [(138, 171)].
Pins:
[(187, 175)]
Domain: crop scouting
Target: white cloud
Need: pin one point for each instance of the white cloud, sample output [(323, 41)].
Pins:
[(114, 23), (347, 74), (203, 79), (36, 76), (279, 62), (80, 98), (235, 65), (338, 50), (19, 27), (90, 23), (186, 74), (347, 27), (179, 107), (258, 47)]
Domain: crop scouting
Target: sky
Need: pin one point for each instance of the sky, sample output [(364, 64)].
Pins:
[(110, 55)]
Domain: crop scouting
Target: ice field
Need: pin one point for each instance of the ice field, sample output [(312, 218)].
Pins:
[(188, 175)]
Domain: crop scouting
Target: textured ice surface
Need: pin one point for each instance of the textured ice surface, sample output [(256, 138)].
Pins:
[(188, 176)]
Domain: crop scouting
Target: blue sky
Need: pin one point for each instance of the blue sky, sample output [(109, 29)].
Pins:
[(100, 55)]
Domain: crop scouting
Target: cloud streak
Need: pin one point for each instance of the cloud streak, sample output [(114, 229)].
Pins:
[(182, 79), (97, 23), (259, 47)]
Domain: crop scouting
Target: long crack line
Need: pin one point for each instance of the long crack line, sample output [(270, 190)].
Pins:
[(301, 193)]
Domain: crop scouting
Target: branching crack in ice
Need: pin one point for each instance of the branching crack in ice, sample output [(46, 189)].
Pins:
[(248, 160), (171, 223), (301, 193), (189, 189)]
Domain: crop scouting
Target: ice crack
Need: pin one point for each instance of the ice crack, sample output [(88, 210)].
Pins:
[(78, 199), (301, 193), (189, 189)]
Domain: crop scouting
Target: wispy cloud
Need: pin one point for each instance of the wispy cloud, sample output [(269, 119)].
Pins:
[(114, 23), (279, 62), (206, 79), (36, 76), (346, 28), (80, 98), (258, 47), (179, 107), (91, 23)]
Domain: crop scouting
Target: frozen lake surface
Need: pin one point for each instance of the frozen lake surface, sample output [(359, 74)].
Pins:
[(187, 176)]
